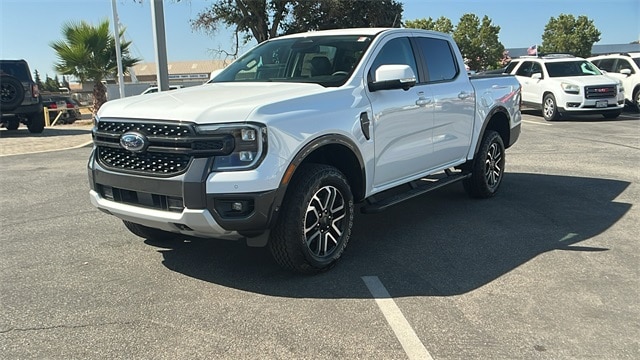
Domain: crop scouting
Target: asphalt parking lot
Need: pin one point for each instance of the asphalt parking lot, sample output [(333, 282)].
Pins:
[(548, 269)]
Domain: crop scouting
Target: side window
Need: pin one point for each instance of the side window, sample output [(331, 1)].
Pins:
[(623, 64), (395, 52), (441, 64), (606, 64), (510, 67), (525, 69), (536, 68)]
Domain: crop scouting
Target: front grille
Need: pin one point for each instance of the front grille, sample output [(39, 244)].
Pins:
[(600, 92), (170, 149), (149, 163)]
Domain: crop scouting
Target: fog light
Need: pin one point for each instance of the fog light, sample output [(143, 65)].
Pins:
[(174, 204), (236, 206), (246, 156), (573, 105)]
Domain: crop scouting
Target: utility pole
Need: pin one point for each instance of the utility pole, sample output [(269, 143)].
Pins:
[(157, 17), (116, 30)]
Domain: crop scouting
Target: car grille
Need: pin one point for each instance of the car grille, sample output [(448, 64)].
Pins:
[(600, 92), (170, 149)]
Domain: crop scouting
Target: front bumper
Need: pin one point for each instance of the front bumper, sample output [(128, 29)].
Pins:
[(180, 203)]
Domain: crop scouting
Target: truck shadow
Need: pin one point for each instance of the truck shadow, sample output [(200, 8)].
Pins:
[(440, 244), (62, 130)]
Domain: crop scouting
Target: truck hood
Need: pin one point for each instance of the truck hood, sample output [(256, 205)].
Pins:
[(208, 103)]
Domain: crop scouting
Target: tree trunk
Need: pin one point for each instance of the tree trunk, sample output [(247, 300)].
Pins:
[(99, 98)]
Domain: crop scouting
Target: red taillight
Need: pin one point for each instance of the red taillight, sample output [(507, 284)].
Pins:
[(53, 106), (35, 91), (69, 106)]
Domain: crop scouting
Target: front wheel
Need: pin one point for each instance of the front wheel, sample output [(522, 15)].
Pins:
[(315, 224), (636, 99), (488, 167), (550, 108)]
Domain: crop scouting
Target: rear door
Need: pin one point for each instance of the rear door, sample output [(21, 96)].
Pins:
[(454, 101)]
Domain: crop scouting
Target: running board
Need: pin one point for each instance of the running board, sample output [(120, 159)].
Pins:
[(383, 204)]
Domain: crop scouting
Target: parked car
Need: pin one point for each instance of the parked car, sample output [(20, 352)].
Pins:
[(562, 84), (20, 100), (55, 102), (154, 89), (626, 68)]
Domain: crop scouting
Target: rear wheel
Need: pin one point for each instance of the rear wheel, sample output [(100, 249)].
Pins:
[(13, 124), (36, 122), (550, 108), (315, 224), (149, 233), (488, 167)]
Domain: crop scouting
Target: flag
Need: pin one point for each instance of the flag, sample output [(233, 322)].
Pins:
[(533, 50)]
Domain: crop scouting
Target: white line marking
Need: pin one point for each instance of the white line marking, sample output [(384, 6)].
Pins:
[(410, 342), (536, 122)]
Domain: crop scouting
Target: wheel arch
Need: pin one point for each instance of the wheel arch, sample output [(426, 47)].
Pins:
[(497, 120), (335, 150)]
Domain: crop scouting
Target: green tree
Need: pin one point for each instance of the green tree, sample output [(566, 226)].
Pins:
[(567, 34), (478, 42), (89, 53), (308, 15), (37, 79), (441, 24), (265, 19), (50, 84)]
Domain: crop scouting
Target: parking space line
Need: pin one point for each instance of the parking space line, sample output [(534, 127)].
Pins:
[(536, 122), (410, 342)]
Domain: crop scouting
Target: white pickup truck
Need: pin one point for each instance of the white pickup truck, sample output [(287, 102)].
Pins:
[(278, 148)]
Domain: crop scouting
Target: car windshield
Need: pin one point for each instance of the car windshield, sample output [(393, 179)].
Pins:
[(571, 68), (637, 61), (324, 60)]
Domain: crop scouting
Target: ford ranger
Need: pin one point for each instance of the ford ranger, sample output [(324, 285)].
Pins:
[(279, 146)]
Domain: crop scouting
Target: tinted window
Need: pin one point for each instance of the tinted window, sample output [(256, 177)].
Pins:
[(395, 52), (571, 68), (525, 69), (16, 68), (441, 64), (623, 64), (510, 67), (605, 64)]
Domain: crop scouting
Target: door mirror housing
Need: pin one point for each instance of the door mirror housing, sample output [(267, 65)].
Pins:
[(625, 72), (389, 77), (536, 76)]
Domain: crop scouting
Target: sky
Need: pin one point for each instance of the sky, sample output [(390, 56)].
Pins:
[(28, 27)]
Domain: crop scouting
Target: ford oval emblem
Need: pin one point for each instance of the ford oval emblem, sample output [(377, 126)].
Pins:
[(134, 141)]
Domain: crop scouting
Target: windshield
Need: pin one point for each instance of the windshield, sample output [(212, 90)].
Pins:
[(571, 68), (637, 61), (325, 60)]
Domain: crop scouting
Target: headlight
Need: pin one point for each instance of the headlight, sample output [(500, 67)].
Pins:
[(250, 144), (570, 88)]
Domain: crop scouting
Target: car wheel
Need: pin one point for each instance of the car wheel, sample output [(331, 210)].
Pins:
[(314, 227), (488, 167), (636, 99), (13, 124), (146, 232), (35, 122), (612, 115), (11, 93), (549, 108)]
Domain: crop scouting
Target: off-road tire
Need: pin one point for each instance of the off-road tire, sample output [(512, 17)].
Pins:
[(146, 232), (487, 170), (550, 108), (35, 122), (11, 93), (315, 223), (13, 124)]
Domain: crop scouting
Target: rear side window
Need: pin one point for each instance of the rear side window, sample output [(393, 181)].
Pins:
[(437, 54), (16, 69)]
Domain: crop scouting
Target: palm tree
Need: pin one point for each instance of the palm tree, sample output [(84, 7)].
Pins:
[(89, 54)]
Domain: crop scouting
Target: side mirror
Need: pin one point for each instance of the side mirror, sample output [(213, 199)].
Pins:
[(625, 72), (389, 77), (536, 76)]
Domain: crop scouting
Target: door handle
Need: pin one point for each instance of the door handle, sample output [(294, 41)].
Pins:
[(422, 101), (463, 95)]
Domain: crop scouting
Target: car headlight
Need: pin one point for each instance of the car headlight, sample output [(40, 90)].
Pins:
[(250, 143), (570, 88)]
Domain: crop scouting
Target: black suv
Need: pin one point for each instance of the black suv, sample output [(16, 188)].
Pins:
[(20, 97)]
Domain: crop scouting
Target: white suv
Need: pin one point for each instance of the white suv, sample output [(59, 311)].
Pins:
[(626, 68), (567, 85)]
